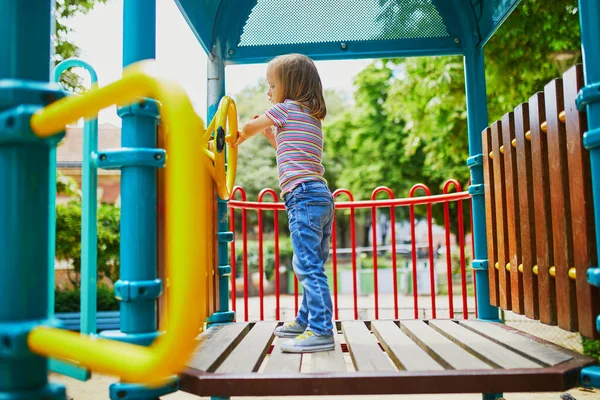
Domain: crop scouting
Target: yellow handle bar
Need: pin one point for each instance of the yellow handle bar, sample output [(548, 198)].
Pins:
[(188, 233)]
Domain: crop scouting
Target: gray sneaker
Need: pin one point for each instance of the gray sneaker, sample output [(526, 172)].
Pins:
[(308, 342), (289, 330)]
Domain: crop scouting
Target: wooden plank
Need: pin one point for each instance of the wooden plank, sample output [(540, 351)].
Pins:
[(546, 355), (364, 349), (566, 300), (280, 362), (513, 221), (405, 353), (526, 213), (442, 349), (483, 348), (501, 221), (490, 214), (582, 211), (543, 220), (216, 343), (329, 361), (248, 355)]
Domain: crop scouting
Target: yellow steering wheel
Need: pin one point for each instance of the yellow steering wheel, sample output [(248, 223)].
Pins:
[(225, 128)]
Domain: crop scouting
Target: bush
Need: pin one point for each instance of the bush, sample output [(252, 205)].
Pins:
[(591, 347), (69, 300), (68, 238)]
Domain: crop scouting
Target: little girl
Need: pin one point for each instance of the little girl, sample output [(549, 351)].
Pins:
[(298, 107)]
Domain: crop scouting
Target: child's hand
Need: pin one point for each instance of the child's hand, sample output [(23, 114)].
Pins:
[(240, 140)]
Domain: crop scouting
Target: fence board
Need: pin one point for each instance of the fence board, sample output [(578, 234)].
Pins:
[(526, 211), (566, 301), (543, 220), (582, 212), (501, 221), (490, 217), (513, 222)]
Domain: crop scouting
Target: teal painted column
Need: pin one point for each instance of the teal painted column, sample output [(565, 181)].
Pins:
[(589, 17), (25, 162), (477, 122), (215, 91)]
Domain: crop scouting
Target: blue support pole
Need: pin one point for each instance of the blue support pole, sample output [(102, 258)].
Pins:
[(589, 18), (138, 189), (215, 91), (477, 121), (25, 162)]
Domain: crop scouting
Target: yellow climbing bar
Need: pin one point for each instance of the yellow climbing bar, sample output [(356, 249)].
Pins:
[(188, 236)]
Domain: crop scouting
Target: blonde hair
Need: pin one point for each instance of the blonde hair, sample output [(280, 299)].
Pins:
[(300, 80)]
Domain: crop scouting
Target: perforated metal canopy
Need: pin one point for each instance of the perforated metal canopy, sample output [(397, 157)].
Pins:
[(249, 31)]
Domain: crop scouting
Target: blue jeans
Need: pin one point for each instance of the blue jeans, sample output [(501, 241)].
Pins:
[(310, 212)]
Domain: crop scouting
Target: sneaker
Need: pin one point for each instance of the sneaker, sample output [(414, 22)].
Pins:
[(289, 330), (308, 342)]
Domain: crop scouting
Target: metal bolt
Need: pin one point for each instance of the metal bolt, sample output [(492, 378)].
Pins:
[(231, 52), (158, 156), (457, 40), (343, 46), (102, 157)]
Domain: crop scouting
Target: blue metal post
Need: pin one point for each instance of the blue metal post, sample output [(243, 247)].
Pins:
[(138, 256), (215, 91), (589, 17), (477, 121), (24, 206)]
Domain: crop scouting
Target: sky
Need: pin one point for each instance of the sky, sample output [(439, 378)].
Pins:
[(99, 34)]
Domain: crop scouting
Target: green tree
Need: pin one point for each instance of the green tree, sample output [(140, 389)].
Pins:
[(63, 47), (409, 124)]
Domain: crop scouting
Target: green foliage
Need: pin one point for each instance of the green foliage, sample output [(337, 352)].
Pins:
[(591, 347), (68, 300), (63, 48), (409, 123), (68, 232)]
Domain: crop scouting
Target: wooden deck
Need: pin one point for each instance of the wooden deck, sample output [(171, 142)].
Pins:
[(381, 357)]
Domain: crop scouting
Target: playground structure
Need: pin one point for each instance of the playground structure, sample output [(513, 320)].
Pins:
[(170, 219)]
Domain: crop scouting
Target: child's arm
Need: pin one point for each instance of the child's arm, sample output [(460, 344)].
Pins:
[(252, 128)]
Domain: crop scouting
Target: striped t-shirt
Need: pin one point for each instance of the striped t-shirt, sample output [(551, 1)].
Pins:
[(299, 140)]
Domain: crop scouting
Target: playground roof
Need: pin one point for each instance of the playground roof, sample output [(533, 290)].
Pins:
[(256, 30)]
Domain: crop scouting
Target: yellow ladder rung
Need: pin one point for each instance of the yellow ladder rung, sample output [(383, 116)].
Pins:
[(528, 135), (502, 149), (514, 142), (491, 154)]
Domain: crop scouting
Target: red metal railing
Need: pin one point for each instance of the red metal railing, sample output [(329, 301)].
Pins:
[(392, 204)]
